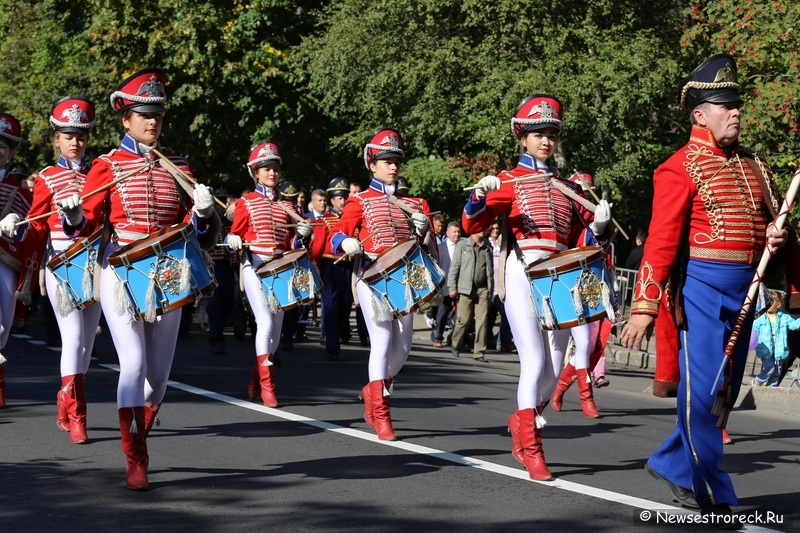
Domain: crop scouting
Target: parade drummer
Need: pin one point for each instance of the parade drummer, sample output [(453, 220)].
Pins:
[(15, 200), (539, 220), (146, 202), (289, 191), (73, 118), (263, 217), (713, 204), (373, 214), (337, 294)]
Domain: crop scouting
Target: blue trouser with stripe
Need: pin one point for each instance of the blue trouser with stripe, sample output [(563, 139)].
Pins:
[(713, 294)]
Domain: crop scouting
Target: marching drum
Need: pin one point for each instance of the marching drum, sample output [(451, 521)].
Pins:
[(571, 288), (162, 272), (402, 279), (74, 270), (289, 280)]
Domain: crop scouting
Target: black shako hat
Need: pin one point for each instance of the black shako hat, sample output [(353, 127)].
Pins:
[(714, 80)]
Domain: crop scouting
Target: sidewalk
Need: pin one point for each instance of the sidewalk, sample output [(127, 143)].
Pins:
[(639, 363)]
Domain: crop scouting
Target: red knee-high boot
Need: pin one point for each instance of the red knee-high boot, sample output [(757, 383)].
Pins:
[(565, 381), (62, 419), (254, 387), (381, 411), (369, 417), (134, 444), (76, 410), (150, 417), (531, 439), (266, 381), (2, 383), (587, 398), (517, 449)]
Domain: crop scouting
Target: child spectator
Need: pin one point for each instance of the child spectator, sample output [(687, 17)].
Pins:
[(772, 348)]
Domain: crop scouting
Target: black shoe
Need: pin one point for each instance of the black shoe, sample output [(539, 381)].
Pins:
[(287, 346), (723, 517), (454, 351), (217, 349), (332, 357), (345, 341), (365, 342), (481, 359), (684, 496), (239, 334)]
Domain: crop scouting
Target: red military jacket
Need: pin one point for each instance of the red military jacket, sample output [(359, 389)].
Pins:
[(706, 205), (14, 198), (255, 218), (539, 216), (53, 184), (373, 214), (140, 205), (322, 228)]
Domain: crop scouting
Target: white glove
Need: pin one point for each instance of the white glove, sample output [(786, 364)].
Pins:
[(351, 246), (303, 229), (486, 184), (602, 216), (8, 226), (421, 223), (203, 201), (234, 242), (72, 209)]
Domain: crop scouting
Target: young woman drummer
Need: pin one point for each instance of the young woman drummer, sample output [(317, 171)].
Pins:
[(73, 118), (373, 214), (262, 217), (147, 201), (540, 220)]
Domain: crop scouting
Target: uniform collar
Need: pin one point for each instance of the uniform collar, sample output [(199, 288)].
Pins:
[(269, 192), (703, 136), (71, 164), (132, 146), (531, 163), (381, 187)]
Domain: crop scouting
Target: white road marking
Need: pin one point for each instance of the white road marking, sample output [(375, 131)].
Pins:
[(481, 464), (37, 343), (20, 336)]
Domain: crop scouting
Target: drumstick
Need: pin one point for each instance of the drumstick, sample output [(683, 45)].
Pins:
[(596, 199), (173, 169), (569, 193), (88, 194), (521, 178), (221, 244), (362, 241)]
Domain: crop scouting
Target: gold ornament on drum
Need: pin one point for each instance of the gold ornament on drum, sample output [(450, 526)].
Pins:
[(415, 276), (591, 289), (301, 279), (167, 274)]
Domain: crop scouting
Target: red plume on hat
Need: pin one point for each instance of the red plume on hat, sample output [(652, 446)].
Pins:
[(73, 114), (585, 177), (536, 112), (10, 128), (383, 144), (262, 154), (144, 92)]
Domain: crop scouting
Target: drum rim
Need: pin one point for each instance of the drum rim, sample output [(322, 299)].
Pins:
[(73, 249), (575, 323), (170, 234), (262, 271), (186, 300), (368, 276), (534, 271)]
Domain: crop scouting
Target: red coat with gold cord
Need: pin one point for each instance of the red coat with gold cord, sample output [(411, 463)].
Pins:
[(319, 243), (259, 216), (13, 199), (373, 214), (698, 213)]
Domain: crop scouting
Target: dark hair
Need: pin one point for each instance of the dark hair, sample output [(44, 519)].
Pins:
[(453, 223), (439, 217), (642, 236)]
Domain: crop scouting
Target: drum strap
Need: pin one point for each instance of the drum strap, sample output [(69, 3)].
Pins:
[(105, 238)]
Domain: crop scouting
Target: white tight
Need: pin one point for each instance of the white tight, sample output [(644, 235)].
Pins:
[(8, 301), (268, 325), (584, 337), (145, 349), (78, 329), (390, 339), (541, 353)]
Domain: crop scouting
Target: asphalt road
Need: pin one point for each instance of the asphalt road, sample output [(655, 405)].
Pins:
[(219, 463)]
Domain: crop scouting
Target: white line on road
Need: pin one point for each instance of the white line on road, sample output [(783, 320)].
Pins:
[(517, 473)]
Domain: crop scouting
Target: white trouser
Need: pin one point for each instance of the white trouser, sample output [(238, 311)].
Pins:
[(268, 325), (390, 339), (541, 353), (78, 328), (145, 349), (8, 301), (584, 338)]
